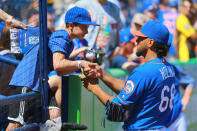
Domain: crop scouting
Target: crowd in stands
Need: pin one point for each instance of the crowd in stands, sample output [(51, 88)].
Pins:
[(169, 12)]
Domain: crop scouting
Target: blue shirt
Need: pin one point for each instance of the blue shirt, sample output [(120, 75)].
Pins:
[(79, 44), (118, 61), (150, 88), (27, 72), (60, 42)]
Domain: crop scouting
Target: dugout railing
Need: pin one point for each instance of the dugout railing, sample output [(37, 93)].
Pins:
[(43, 83), (6, 100)]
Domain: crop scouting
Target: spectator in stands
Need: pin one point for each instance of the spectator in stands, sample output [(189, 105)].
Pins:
[(33, 18), (187, 34), (122, 16), (168, 12), (50, 22), (34, 5), (151, 11), (9, 20), (138, 21), (106, 35), (163, 4), (6, 70), (132, 10), (127, 41), (77, 22)]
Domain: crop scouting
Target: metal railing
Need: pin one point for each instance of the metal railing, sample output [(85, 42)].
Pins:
[(5, 100)]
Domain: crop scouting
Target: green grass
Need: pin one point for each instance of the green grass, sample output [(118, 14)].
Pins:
[(192, 127)]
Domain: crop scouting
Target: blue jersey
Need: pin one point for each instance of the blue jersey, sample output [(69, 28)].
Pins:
[(27, 72), (60, 42), (79, 44), (118, 61), (150, 88)]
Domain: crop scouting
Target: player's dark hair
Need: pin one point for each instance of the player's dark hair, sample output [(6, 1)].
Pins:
[(75, 24), (161, 49)]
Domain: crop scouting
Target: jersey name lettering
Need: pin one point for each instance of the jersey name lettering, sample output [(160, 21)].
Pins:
[(167, 72)]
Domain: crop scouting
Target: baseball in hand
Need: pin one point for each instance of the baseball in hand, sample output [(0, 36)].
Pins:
[(90, 55)]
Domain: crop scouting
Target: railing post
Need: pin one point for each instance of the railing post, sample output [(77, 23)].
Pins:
[(43, 55)]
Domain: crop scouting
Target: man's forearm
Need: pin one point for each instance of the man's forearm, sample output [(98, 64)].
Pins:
[(115, 84), (66, 67), (102, 95), (62, 65), (3, 15), (188, 92)]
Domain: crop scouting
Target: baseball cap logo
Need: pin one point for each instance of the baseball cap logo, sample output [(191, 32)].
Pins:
[(89, 15)]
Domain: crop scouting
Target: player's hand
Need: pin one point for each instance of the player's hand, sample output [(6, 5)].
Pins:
[(184, 102), (94, 71), (18, 24), (84, 64), (89, 83)]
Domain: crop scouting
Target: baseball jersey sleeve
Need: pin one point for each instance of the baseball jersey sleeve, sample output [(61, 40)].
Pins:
[(185, 80), (133, 89), (60, 41)]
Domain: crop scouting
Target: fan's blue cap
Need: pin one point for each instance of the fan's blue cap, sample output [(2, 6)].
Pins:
[(154, 30), (125, 35), (79, 15)]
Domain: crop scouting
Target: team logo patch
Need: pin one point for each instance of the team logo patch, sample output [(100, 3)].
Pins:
[(187, 27), (129, 87)]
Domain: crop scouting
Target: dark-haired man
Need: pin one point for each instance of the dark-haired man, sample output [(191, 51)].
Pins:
[(149, 89)]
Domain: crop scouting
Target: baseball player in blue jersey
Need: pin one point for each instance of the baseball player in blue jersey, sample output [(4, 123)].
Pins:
[(146, 100)]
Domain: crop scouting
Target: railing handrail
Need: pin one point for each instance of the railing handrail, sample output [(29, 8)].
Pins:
[(5, 100), (9, 60)]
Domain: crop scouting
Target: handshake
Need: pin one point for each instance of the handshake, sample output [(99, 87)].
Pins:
[(90, 76), (92, 71)]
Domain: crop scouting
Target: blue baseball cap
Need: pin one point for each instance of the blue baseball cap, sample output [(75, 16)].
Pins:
[(79, 15), (154, 30), (125, 35)]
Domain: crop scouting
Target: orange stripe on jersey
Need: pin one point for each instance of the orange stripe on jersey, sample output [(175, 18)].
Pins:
[(121, 100)]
